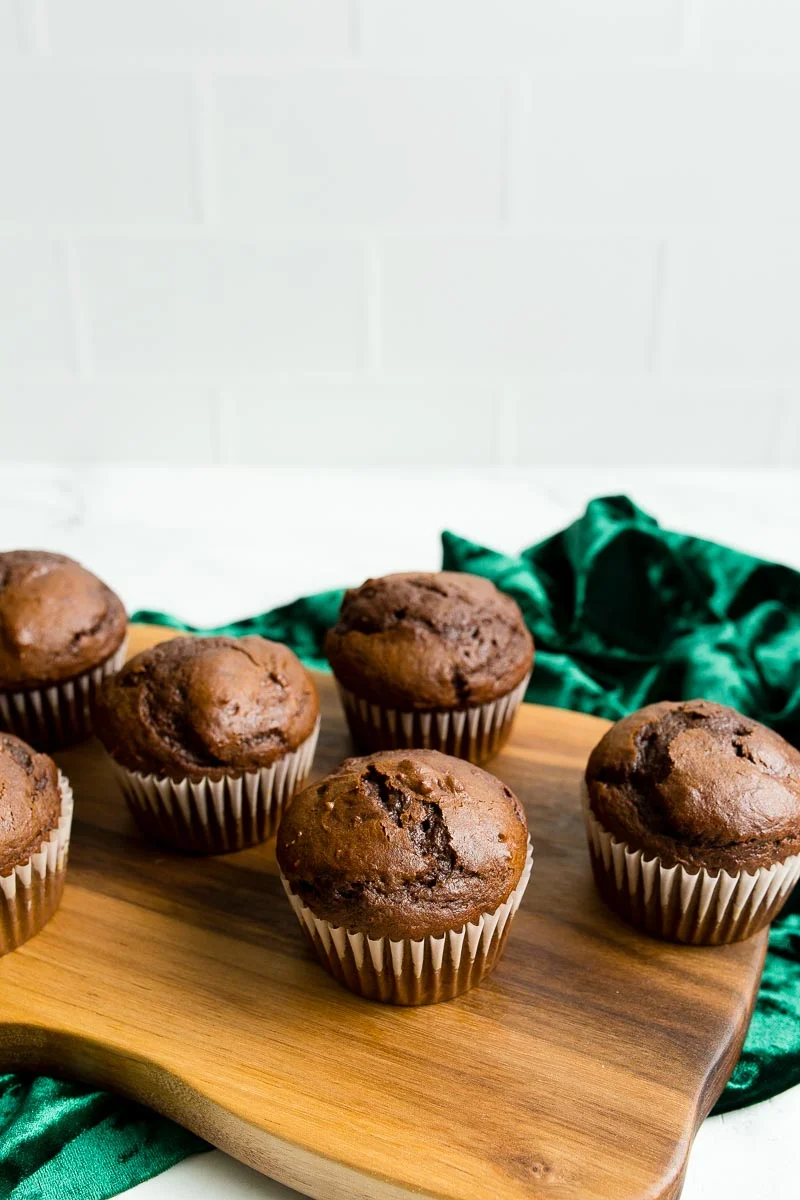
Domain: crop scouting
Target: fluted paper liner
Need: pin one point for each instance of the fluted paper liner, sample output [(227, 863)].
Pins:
[(411, 971), (30, 893), (61, 713), (214, 816), (698, 907), (475, 733)]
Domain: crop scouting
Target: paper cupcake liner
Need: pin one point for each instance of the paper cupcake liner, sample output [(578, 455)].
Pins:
[(701, 908), (411, 971), (58, 715), (30, 893), (475, 733), (215, 816)]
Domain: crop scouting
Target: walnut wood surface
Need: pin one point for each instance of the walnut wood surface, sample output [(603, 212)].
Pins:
[(579, 1070)]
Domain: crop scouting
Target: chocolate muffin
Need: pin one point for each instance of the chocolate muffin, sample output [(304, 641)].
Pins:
[(693, 816), (35, 821), (62, 631), (405, 868), (430, 660), (211, 736)]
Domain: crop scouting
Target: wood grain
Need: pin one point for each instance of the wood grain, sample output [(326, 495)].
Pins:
[(580, 1070)]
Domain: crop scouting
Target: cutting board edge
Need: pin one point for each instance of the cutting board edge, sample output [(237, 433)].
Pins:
[(42, 1050)]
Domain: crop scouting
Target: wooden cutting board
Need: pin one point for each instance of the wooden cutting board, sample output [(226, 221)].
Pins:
[(580, 1070)]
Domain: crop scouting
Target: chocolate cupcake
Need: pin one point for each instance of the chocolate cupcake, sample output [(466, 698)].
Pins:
[(405, 869), (437, 661), (35, 822), (62, 631), (211, 737), (693, 818)]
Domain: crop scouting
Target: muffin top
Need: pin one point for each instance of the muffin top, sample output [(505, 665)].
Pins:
[(427, 641), (30, 801), (56, 619), (198, 707), (698, 784), (403, 844)]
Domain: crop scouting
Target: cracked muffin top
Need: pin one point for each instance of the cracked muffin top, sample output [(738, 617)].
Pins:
[(56, 619), (698, 784), (406, 843), (198, 707), (30, 801), (428, 641)]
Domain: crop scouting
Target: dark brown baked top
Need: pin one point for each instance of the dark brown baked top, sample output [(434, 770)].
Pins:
[(403, 844), (56, 619), (699, 784), (30, 801), (198, 707), (427, 641)]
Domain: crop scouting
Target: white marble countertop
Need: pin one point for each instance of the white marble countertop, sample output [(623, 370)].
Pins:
[(211, 544)]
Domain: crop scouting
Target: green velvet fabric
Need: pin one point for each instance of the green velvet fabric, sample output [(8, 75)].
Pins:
[(63, 1141), (623, 612)]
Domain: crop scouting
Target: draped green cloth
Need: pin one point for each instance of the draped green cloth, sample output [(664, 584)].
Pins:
[(623, 613), (63, 1141)]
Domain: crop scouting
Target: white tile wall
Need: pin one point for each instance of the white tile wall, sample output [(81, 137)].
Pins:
[(34, 312), (652, 422), (733, 300), (222, 306), (400, 230), (362, 148), (111, 422), (514, 304), (416, 420), (749, 29), (660, 147), (201, 27), (513, 31), (95, 146), (9, 39)]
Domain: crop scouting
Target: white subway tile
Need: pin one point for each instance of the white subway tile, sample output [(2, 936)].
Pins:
[(649, 422), (91, 146), (659, 147), (743, 30), (519, 30), (110, 422), (356, 422), (34, 315), (204, 27), (361, 147), (223, 305), (9, 29), (732, 305), (515, 304)]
